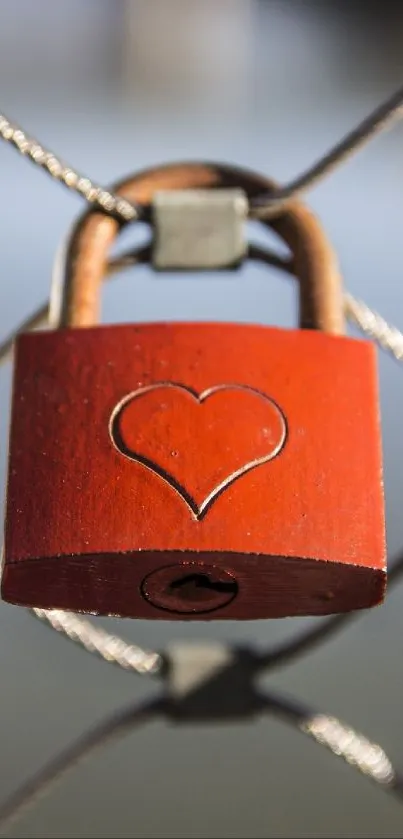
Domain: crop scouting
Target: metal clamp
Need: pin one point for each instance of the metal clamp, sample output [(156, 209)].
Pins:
[(199, 229)]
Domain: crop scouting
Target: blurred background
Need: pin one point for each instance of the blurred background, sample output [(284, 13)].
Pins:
[(113, 87)]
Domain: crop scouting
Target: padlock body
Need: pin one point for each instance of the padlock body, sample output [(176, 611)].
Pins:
[(243, 460)]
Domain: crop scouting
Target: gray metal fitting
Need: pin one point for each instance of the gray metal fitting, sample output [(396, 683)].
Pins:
[(200, 230)]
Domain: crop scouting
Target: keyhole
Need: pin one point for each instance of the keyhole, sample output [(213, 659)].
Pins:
[(200, 587), (189, 587)]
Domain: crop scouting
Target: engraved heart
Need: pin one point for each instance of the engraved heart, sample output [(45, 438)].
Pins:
[(198, 443)]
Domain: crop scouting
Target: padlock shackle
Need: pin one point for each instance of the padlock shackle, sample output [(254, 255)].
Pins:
[(314, 261)]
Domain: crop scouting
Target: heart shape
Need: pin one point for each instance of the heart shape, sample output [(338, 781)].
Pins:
[(198, 443)]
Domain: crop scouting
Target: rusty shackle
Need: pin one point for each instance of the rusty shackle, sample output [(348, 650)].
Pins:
[(313, 259)]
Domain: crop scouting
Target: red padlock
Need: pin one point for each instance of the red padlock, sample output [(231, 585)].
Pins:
[(196, 470)]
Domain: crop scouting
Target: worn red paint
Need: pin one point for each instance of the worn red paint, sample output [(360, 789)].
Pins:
[(301, 531)]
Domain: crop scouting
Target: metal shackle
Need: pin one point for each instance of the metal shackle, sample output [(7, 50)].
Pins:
[(313, 259)]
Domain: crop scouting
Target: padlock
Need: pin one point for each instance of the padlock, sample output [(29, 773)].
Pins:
[(196, 470)]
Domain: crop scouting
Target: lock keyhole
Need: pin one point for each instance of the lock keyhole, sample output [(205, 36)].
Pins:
[(200, 587), (189, 587)]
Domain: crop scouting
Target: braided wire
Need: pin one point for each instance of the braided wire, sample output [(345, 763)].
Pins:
[(262, 206), (385, 116), (367, 757), (65, 174), (372, 324), (343, 741), (96, 640)]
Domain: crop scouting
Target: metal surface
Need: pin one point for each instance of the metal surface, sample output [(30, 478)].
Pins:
[(199, 229), (238, 781), (114, 649), (76, 289), (369, 322)]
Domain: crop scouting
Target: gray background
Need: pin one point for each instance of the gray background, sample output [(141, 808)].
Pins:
[(115, 86)]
